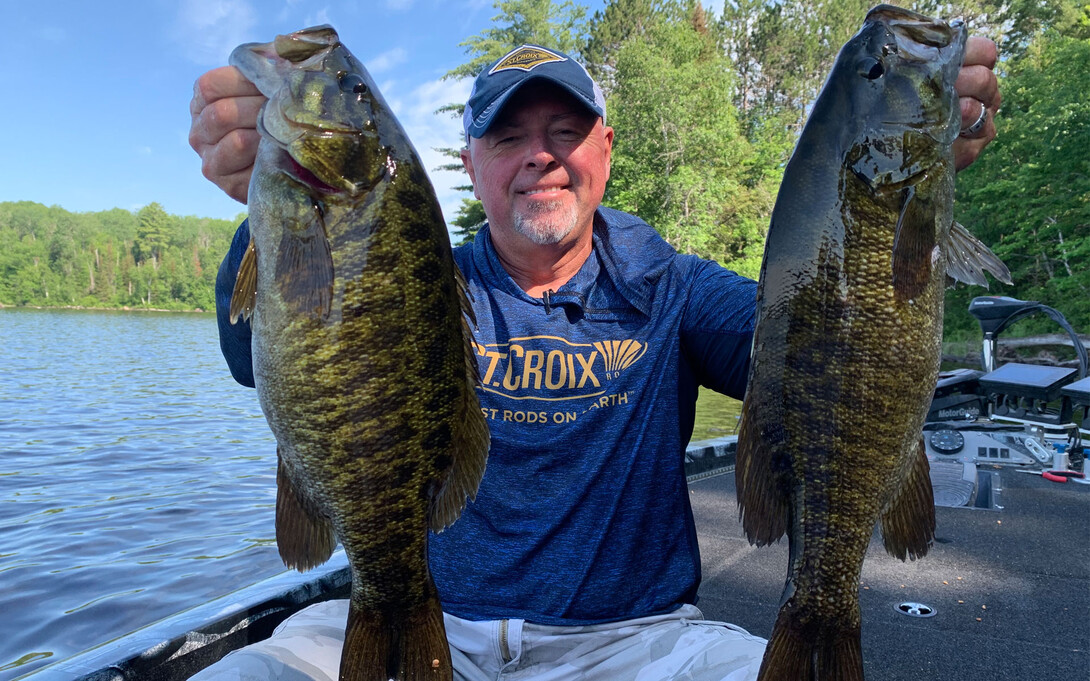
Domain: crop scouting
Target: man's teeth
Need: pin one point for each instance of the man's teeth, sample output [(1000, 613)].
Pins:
[(531, 192)]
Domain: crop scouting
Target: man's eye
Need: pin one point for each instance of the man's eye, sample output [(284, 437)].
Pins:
[(570, 133)]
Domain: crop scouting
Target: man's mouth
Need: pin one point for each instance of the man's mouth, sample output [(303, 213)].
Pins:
[(542, 190)]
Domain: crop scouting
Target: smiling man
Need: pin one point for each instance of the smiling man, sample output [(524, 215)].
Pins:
[(539, 164), (579, 557)]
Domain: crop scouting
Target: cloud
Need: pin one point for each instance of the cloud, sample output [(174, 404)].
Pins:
[(387, 60), (321, 17), (208, 30), (143, 151)]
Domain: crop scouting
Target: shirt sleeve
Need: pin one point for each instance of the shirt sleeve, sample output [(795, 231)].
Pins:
[(234, 338), (717, 327)]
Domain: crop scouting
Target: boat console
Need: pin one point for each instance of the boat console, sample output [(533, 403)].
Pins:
[(1015, 414)]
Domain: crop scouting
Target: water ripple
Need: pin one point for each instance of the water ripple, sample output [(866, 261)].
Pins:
[(136, 478)]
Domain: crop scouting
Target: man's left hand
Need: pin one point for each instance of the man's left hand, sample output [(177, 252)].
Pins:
[(976, 86)]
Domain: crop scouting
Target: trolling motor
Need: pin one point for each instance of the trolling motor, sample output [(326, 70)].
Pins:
[(995, 313)]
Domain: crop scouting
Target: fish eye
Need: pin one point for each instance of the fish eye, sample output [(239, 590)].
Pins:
[(871, 69), (353, 83)]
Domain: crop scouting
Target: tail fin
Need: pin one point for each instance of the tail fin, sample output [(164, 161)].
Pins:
[(407, 646), (811, 653)]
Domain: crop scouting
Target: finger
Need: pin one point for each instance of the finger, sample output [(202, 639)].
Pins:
[(980, 51), (237, 185), (980, 83), (967, 149), (226, 81), (229, 162), (223, 116), (971, 115)]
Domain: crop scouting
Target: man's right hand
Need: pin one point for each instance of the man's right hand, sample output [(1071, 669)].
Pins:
[(224, 129)]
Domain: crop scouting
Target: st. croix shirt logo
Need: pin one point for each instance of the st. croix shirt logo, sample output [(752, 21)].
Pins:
[(525, 58), (553, 369)]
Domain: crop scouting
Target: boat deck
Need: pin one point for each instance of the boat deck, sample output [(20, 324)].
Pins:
[(1010, 588)]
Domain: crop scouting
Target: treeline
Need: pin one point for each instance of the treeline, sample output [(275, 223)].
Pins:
[(707, 109), (148, 259)]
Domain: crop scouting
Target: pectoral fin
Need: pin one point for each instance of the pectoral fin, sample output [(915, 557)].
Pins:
[(908, 524), (967, 259), (913, 245), (304, 270), (245, 293)]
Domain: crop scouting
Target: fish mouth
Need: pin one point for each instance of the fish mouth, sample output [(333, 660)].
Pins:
[(290, 166), (298, 172), (288, 163)]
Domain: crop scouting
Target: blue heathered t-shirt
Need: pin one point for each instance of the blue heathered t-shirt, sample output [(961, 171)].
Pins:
[(583, 514)]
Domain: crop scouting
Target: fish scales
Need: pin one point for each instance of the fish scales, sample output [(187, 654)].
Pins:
[(848, 340), (361, 351)]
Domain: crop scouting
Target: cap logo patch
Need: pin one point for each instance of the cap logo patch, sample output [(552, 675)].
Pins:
[(525, 58)]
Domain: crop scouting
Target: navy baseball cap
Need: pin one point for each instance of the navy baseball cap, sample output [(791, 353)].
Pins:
[(495, 85)]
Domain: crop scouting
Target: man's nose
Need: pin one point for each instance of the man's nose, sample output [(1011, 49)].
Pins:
[(539, 152)]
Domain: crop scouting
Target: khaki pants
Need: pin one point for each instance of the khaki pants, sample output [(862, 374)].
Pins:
[(679, 645)]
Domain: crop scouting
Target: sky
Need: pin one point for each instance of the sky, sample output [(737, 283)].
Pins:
[(95, 95)]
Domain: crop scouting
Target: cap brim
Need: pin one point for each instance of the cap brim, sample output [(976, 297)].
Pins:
[(483, 122)]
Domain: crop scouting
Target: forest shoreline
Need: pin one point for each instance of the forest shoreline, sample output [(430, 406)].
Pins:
[(122, 308)]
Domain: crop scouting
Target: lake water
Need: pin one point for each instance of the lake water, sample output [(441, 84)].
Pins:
[(137, 479)]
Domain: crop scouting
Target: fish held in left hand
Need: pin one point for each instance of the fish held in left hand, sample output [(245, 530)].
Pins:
[(848, 341), (361, 347)]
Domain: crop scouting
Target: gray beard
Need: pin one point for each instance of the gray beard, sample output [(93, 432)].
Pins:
[(543, 226)]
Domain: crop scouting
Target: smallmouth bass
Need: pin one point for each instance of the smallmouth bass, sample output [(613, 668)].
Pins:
[(362, 357), (848, 340)]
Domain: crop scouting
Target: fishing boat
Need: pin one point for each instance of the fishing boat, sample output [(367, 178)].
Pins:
[(1003, 595)]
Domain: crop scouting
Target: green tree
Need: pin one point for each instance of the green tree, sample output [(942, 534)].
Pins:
[(153, 231), (52, 257), (680, 161), (469, 220), (557, 25), (610, 27), (1029, 193)]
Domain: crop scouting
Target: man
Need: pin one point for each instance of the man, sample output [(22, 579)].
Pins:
[(579, 557)]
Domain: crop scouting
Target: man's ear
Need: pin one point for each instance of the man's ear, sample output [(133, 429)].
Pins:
[(467, 163), (608, 133)]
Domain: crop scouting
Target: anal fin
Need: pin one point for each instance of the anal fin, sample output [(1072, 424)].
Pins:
[(471, 438), (908, 524), (763, 504), (304, 538)]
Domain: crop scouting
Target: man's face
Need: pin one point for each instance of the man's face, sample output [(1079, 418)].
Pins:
[(541, 169)]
